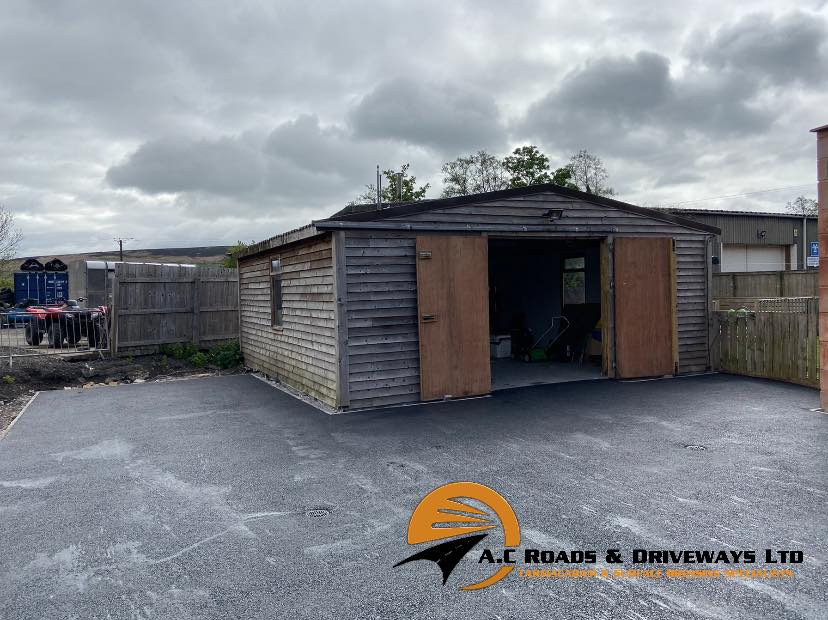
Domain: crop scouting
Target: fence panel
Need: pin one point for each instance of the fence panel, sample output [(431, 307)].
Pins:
[(163, 304), (802, 283), (777, 339)]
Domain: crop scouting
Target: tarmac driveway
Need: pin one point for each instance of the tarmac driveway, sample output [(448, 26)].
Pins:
[(224, 498)]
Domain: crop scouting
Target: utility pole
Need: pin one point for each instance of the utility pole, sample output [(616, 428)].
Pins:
[(120, 241)]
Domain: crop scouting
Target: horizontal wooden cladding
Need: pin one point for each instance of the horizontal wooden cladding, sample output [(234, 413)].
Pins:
[(383, 341), (692, 302), (302, 351)]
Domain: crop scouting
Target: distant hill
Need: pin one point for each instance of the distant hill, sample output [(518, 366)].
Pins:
[(206, 255)]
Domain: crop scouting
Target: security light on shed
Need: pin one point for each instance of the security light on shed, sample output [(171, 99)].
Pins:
[(553, 214)]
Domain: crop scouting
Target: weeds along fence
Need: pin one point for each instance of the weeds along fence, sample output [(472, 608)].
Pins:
[(772, 338), (154, 305)]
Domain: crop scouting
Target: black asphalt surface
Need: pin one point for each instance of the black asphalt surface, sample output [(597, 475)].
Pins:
[(189, 500)]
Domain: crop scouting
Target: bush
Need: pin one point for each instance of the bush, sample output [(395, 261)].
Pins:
[(224, 356), (198, 359), (179, 350), (8, 379), (227, 355)]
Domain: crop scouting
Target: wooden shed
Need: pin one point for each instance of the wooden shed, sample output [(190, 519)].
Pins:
[(458, 297)]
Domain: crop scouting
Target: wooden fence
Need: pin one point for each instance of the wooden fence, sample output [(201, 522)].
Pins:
[(162, 304), (781, 343), (765, 284)]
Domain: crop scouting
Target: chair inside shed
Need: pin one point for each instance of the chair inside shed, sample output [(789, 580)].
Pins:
[(544, 311)]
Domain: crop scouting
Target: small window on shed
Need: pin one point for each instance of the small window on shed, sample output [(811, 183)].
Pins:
[(276, 292), (574, 281)]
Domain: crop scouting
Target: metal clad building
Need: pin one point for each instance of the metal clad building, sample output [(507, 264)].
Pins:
[(752, 241)]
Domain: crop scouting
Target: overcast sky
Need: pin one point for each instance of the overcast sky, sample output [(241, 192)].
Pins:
[(202, 123)]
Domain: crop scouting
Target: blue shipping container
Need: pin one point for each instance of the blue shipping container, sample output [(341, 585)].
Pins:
[(47, 287)]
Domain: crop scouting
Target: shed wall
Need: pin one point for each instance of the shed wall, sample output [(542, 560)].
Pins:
[(383, 340), (302, 352), (382, 294)]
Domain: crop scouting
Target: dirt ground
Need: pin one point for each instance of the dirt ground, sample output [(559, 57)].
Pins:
[(28, 375)]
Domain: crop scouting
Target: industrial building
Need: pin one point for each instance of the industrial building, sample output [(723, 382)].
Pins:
[(458, 297), (753, 241)]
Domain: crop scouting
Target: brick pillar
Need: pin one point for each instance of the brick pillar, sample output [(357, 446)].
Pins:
[(822, 198)]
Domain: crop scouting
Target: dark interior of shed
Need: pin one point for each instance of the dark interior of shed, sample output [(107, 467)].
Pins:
[(544, 311)]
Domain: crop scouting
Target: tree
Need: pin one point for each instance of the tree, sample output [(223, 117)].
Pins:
[(474, 174), (9, 239), (527, 165), (391, 188), (589, 174), (230, 261), (563, 177), (802, 206)]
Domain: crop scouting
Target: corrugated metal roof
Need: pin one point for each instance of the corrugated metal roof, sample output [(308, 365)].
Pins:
[(732, 212)]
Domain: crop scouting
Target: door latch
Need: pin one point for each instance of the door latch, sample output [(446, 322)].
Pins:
[(429, 318)]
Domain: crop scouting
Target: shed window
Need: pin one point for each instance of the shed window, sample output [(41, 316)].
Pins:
[(276, 292), (574, 281)]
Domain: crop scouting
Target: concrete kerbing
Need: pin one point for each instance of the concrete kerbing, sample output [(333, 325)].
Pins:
[(6, 431), (316, 404)]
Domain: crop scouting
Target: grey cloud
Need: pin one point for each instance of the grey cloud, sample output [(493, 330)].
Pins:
[(445, 117), (246, 118), (632, 106), (623, 87), (307, 145), (300, 161), (226, 166), (784, 49)]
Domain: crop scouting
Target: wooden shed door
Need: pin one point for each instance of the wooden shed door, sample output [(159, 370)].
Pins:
[(453, 308), (645, 301)]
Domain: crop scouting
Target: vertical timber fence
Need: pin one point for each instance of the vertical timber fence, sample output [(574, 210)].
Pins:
[(765, 284), (162, 304), (774, 338)]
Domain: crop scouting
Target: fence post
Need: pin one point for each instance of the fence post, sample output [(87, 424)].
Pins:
[(196, 307), (113, 325)]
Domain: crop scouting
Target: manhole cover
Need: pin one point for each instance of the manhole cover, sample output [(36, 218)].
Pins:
[(696, 447), (317, 512)]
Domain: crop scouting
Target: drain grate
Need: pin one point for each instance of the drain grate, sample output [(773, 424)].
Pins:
[(696, 447), (315, 513)]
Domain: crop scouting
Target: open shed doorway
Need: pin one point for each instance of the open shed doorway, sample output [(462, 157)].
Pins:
[(544, 311)]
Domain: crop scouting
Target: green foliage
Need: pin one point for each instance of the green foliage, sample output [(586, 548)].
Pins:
[(563, 177), (231, 261), (6, 282), (223, 356), (527, 165), (198, 359), (227, 355), (394, 179), (179, 350), (8, 379), (474, 174)]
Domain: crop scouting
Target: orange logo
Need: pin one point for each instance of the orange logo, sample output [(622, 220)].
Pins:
[(444, 515)]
